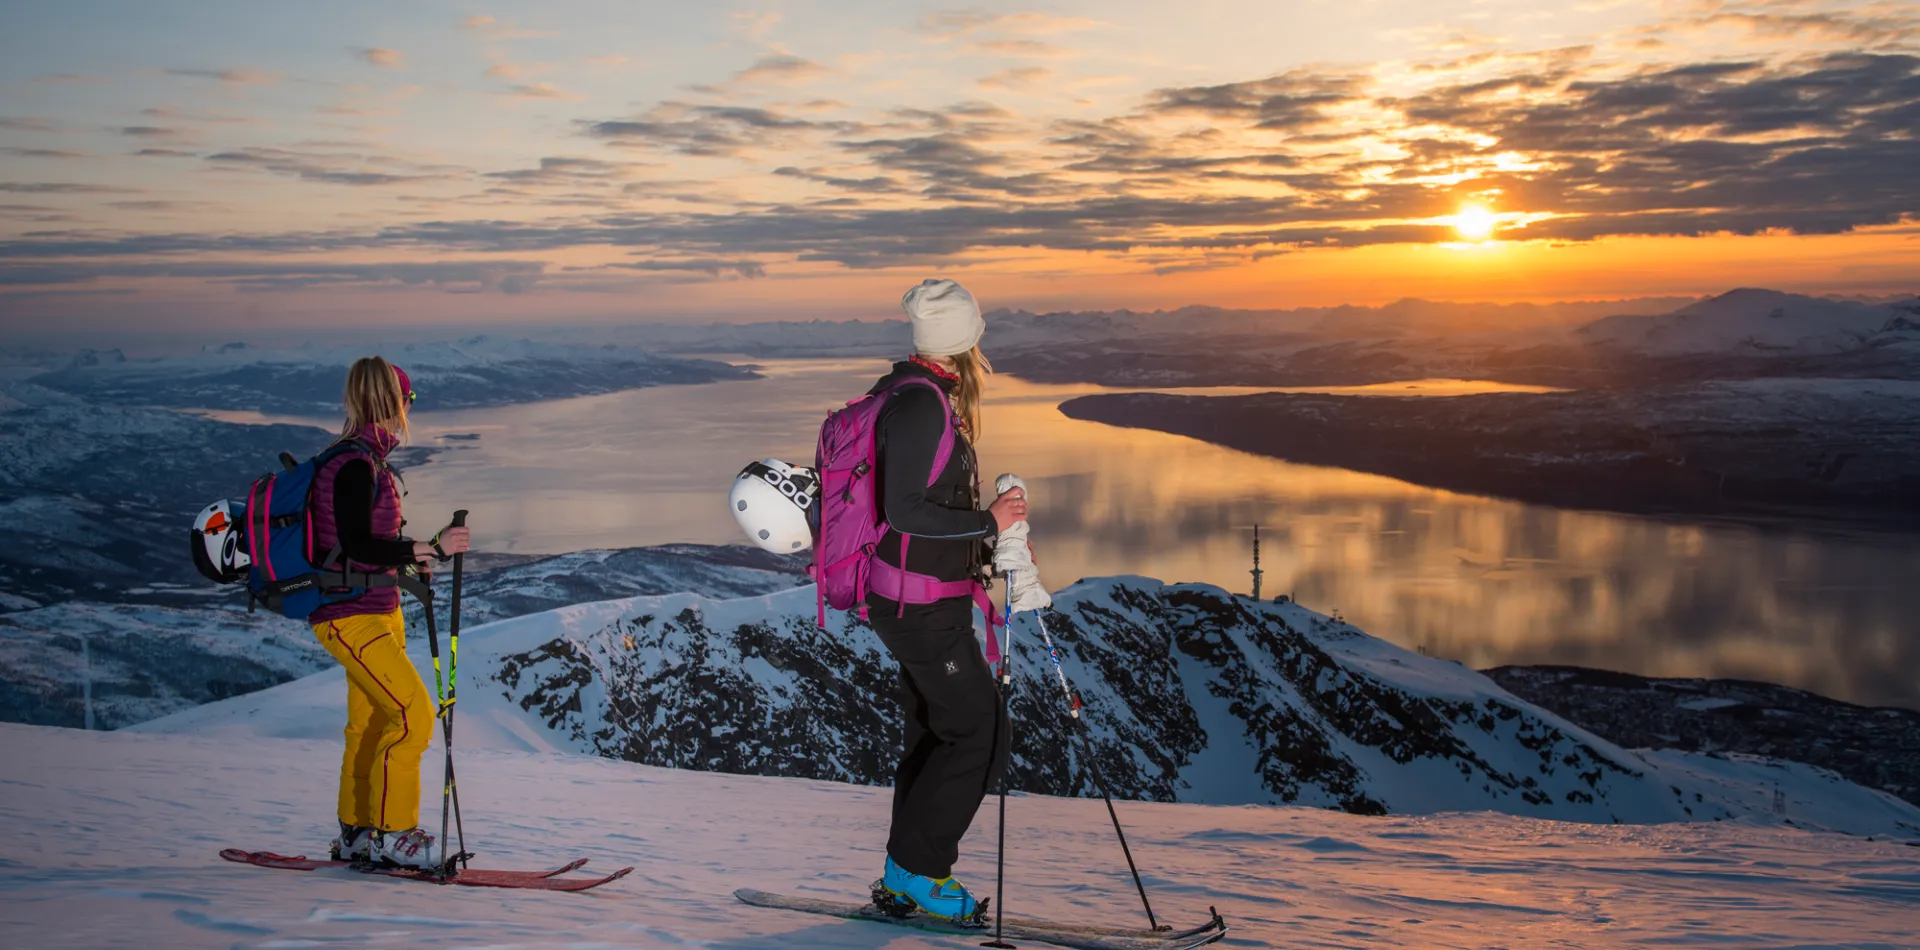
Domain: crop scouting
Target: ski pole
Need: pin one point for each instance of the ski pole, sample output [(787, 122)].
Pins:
[(440, 707), (450, 792), (1086, 751), (1006, 699)]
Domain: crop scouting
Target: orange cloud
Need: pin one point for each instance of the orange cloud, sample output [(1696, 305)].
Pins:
[(1022, 77), (380, 56), (541, 90)]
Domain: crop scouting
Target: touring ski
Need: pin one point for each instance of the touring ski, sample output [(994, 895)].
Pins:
[(1076, 936), (471, 877)]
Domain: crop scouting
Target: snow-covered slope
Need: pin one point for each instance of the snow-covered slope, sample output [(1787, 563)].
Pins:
[(111, 842), (475, 371), (1752, 322), (1192, 694), (141, 661), (167, 652)]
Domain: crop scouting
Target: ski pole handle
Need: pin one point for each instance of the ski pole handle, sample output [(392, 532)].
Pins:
[(459, 561)]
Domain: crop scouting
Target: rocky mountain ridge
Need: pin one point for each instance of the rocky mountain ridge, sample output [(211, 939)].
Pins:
[(1878, 747)]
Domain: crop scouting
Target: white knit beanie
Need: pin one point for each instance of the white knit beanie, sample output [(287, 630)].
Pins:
[(945, 319)]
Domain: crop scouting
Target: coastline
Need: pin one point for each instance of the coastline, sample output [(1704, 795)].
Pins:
[(1791, 453)]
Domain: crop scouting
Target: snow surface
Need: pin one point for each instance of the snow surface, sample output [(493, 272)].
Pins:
[(1290, 707), (113, 837)]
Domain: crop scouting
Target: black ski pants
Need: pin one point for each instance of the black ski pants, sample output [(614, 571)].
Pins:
[(955, 739)]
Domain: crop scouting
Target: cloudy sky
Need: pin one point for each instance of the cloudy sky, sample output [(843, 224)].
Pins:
[(218, 163)]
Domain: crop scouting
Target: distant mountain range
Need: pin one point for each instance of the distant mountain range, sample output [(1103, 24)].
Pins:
[(1741, 334), (1765, 323), (473, 372)]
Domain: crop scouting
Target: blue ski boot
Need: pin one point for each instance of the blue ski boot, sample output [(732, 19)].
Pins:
[(944, 898)]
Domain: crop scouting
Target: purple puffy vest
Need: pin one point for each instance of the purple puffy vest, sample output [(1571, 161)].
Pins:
[(386, 523)]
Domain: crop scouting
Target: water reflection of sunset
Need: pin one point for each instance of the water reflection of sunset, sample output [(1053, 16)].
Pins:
[(1475, 579)]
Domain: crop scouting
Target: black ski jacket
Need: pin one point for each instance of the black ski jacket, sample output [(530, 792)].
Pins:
[(950, 532)]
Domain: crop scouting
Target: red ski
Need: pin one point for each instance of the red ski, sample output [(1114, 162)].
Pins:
[(471, 877)]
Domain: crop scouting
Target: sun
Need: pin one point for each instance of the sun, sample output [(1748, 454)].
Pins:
[(1474, 223)]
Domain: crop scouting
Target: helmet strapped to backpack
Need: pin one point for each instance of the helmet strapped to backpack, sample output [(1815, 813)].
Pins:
[(216, 543), (773, 502), (268, 542)]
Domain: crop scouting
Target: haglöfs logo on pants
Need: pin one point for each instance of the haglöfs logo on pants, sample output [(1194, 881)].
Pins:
[(952, 667)]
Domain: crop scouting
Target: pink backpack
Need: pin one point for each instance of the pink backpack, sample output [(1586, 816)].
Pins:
[(852, 523)]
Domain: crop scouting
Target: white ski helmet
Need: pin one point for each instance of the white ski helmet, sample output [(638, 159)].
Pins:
[(216, 544), (773, 502)]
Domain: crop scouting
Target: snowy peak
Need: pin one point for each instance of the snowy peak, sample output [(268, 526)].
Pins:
[(1753, 322), (1191, 694), (91, 358)]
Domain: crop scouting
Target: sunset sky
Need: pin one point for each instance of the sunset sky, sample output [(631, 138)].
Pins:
[(216, 164)]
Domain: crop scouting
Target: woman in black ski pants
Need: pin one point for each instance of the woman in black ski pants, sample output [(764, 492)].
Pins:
[(956, 728)]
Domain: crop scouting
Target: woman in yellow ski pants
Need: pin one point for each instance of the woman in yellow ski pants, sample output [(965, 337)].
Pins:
[(389, 721), (390, 714)]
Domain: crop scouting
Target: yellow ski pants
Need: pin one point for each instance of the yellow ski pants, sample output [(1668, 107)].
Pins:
[(389, 721)]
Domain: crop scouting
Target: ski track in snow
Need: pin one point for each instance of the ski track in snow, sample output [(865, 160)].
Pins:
[(113, 837)]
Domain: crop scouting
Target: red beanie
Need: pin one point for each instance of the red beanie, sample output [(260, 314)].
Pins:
[(406, 385)]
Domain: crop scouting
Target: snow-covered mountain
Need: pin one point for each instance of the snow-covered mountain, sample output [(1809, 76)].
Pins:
[(1021, 330), (472, 372), (175, 647), (96, 499), (1878, 747), (111, 843), (500, 587), (1753, 322), (1192, 694)]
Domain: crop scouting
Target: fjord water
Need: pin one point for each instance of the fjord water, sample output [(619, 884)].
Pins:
[(1479, 580)]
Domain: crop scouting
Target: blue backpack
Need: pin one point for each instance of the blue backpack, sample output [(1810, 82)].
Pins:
[(274, 530)]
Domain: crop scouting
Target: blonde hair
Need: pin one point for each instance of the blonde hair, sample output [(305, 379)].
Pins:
[(373, 398), (973, 369)]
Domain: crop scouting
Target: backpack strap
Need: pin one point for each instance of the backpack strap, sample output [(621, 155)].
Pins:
[(278, 589), (943, 454), (406, 582), (357, 444)]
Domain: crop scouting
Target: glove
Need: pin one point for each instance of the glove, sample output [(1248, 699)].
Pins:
[(1013, 557)]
